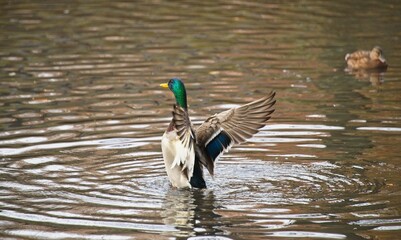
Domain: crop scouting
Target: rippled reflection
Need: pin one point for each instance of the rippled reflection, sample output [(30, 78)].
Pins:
[(192, 212), (376, 77)]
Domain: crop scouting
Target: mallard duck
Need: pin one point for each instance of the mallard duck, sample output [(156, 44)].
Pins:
[(366, 59), (187, 150)]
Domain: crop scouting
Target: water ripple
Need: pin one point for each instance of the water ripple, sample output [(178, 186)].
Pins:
[(29, 217), (82, 116)]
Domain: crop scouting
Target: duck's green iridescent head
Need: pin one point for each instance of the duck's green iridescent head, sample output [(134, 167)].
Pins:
[(178, 88)]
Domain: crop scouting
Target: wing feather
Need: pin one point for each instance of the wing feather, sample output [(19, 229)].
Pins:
[(234, 126), (183, 126)]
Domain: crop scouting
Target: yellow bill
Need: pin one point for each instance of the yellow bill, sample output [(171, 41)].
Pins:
[(164, 85)]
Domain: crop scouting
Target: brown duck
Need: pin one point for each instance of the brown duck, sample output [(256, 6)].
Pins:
[(373, 59)]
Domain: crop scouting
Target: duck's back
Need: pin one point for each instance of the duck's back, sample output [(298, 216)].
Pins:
[(358, 59)]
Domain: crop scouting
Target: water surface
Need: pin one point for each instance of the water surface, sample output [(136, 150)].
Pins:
[(82, 116)]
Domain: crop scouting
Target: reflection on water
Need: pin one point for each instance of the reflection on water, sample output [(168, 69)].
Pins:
[(192, 212), (82, 117), (375, 77)]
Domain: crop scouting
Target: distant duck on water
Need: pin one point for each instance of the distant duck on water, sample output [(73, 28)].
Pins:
[(187, 150), (373, 59)]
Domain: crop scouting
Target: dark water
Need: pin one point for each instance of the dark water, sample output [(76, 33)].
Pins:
[(82, 116)]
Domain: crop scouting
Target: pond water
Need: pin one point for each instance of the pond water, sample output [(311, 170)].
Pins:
[(82, 116)]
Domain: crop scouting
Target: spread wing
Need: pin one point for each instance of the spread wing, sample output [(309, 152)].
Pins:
[(186, 152), (234, 126), (183, 125)]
